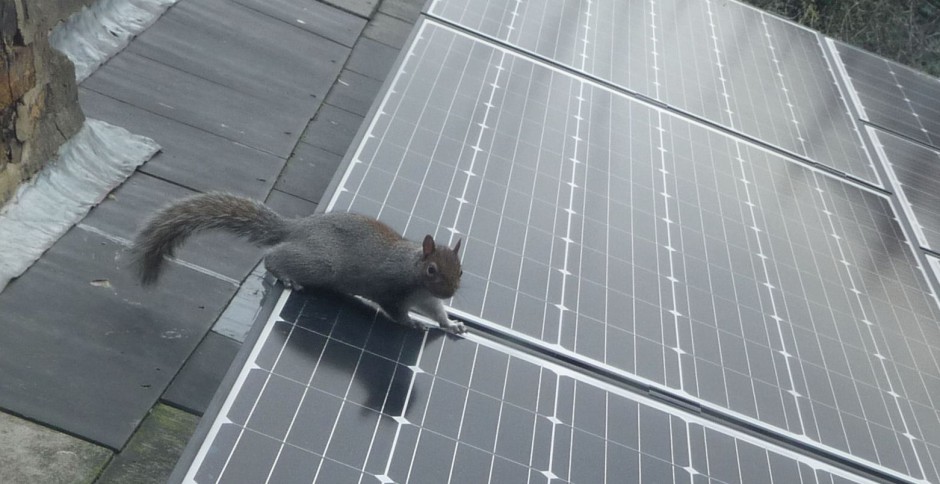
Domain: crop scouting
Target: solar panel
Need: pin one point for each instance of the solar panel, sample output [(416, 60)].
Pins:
[(725, 62), (892, 96), (369, 402), (916, 169)]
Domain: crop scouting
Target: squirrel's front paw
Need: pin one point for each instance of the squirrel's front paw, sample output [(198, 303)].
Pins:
[(455, 327), (290, 284)]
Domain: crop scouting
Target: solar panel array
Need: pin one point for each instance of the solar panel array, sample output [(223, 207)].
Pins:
[(645, 242), (631, 219), (367, 402), (724, 62)]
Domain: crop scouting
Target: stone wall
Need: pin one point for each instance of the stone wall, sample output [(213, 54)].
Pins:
[(38, 95)]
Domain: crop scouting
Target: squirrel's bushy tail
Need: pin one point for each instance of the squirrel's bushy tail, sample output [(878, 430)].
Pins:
[(171, 226)]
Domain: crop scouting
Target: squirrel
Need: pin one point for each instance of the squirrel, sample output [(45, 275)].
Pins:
[(345, 252)]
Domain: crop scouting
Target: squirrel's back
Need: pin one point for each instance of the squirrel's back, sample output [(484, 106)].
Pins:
[(360, 250), (172, 225)]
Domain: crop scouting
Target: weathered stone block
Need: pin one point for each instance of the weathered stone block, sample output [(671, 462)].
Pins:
[(7, 133), (38, 95), (37, 17), (17, 73), (29, 111), (8, 28), (10, 179)]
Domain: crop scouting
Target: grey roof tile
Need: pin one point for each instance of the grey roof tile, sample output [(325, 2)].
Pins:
[(308, 172), (372, 58), (290, 206), (85, 349), (272, 61), (189, 156), (192, 100), (388, 30), (332, 129), (312, 16), (194, 386)]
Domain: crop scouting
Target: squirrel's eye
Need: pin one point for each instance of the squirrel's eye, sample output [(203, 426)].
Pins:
[(432, 269)]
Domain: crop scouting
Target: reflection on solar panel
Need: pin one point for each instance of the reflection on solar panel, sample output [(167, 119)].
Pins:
[(369, 402), (917, 171), (725, 62), (892, 96), (777, 312)]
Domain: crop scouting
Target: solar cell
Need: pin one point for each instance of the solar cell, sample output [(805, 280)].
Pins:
[(367, 401), (892, 96), (934, 262), (916, 171), (656, 247), (725, 62)]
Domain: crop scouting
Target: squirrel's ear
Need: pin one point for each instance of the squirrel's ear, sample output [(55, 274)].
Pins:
[(457, 246), (428, 245)]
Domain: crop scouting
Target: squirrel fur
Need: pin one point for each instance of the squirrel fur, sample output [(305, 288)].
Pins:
[(345, 252)]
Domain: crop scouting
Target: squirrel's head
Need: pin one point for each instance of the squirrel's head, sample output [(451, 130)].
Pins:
[(440, 268)]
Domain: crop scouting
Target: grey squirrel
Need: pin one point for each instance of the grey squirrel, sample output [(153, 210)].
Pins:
[(345, 252)]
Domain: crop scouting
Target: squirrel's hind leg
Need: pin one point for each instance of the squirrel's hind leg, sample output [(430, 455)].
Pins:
[(296, 269)]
